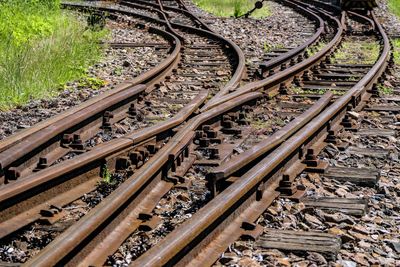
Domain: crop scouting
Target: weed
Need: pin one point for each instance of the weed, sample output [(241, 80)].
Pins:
[(385, 90), (396, 52), (260, 124), (106, 176), (118, 71), (237, 8), (92, 83), (316, 48), (297, 90), (268, 47), (361, 52), (394, 6)]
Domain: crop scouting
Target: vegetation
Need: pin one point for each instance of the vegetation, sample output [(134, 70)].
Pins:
[(394, 6), (396, 45), (106, 175), (316, 48), (367, 52), (385, 90), (41, 49), (269, 48), (232, 8)]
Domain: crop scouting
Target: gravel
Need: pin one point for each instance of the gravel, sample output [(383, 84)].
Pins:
[(284, 28)]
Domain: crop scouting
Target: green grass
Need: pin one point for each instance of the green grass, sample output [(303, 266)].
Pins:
[(42, 48), (394, 6), (396, 45), (362, 52), (232, 8), (385, 90)]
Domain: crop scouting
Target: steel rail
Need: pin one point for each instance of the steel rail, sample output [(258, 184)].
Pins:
[(240, 58), (205, 226), (19, 198), (177, 147), (18, 151), (287, 75), (236, 163), (77, 234), (176, 151), (19, 190), (185, 11), (21, 144), (362, 19), (286, 56)]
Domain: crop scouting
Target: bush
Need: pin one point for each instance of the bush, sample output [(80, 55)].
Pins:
[(41, 48)]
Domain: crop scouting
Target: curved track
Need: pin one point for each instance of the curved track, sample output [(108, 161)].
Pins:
[(205, 133)]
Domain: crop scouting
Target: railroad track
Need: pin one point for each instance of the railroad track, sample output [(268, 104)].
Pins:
[(214, 149)]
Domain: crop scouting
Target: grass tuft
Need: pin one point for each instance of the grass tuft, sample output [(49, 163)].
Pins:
[(232, 8), (41, 49), (396, 52), (394, 6)]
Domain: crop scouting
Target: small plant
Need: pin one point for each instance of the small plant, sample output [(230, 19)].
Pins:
[(260, 124), (237, 8), (106, 175), (385, 89), (92, 83), (267, 47), (297, 90), (394, 6), (118, 71), (396, 52)]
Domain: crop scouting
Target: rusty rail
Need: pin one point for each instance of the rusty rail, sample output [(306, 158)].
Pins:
[(287, 75), (17, 151), (240, 59), (205, 229), (15, 148), (62, 246)]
